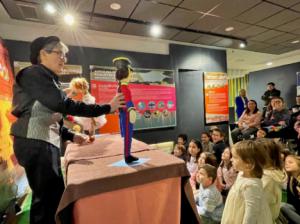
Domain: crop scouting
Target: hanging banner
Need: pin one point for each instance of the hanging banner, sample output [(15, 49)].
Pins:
[(216, 97), (13, 182), (6, 83), (153, 94)]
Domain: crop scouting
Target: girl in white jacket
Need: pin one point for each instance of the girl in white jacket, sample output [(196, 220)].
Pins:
[(246, 203), (273, 178)]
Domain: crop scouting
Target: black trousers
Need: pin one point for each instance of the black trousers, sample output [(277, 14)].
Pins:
[(41, 161)]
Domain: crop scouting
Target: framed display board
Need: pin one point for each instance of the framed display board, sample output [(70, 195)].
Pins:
[(216, 97), (153, 94)]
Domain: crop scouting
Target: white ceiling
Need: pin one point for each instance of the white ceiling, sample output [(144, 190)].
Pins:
[(236, 59)]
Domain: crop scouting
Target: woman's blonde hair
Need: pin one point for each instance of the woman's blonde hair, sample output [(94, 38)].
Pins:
[(251, 153)]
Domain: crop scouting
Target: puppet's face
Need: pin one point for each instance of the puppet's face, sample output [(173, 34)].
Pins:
[(78, 89), (77, 95), (129, 77)]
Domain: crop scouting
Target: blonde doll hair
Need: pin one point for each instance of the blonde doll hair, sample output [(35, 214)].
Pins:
[(80, 84)]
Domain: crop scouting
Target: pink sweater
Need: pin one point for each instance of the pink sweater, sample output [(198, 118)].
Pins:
[(228, 175), (251, 120)]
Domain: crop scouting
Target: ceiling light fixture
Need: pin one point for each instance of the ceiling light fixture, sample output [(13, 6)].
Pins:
[(242, 45), (49, 8), (172, 27), (115, 6), (295, 42), (269, 63), (155, 30), (230, 28), (69, 19)]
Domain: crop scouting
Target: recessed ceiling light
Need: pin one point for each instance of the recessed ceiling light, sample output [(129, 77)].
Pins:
[(242, 45), (295, 42), (69, 19), (50, 8), (230, 28), (115, 6), (155, 30), (269, 63)]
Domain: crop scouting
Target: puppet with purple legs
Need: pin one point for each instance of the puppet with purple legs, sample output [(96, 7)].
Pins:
[(127, 115)]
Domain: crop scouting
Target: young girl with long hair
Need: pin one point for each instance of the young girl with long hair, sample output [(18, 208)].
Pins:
[(246, 202), (194, 152), (226, 173), (291, 209), (204, 158), (207, 145)]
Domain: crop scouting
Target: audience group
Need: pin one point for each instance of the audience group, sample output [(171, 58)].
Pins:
[(257, 178)]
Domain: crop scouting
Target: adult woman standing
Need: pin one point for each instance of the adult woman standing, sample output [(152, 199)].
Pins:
[(38, 131), (248, 123)]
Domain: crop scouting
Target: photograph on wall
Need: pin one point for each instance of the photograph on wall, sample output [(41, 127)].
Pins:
[(216, 97), (153, 94)]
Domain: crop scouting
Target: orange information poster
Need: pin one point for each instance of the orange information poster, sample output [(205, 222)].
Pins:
[(216, 97)]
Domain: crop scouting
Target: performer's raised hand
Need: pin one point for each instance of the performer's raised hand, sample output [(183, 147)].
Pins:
[(117, 102)]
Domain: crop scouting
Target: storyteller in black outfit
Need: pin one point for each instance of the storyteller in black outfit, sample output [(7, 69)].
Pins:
[(38, 104)]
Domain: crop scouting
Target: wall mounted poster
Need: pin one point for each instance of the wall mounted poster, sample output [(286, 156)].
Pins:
[(153, 94), (216, 97)]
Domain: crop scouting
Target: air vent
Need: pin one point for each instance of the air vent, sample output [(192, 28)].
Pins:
[(28, 12)]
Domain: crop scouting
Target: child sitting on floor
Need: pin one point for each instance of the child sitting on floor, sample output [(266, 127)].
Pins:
[(291, 209), (194, 152), (180, 152), (208, 199), (226, 173)]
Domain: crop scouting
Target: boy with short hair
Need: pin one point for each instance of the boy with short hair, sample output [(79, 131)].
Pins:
[(261, 133), (208, 199), (219, 144)]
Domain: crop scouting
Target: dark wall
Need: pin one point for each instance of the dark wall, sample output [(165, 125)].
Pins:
[(188, 90), (284, 78)]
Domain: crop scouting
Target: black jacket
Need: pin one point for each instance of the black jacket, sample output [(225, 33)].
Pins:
[(269, 94), (219, 149)]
